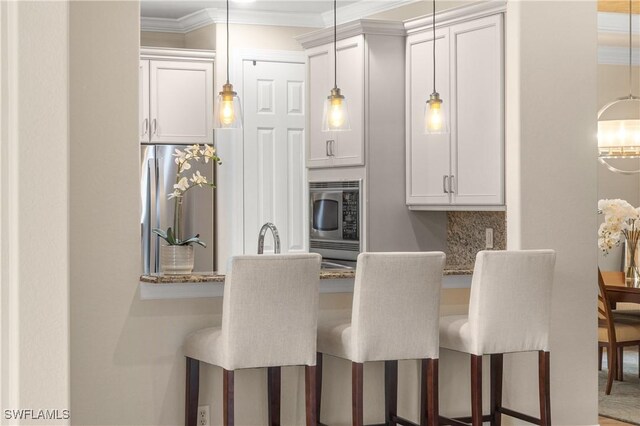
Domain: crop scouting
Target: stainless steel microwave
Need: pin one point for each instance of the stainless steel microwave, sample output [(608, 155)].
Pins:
[(335, 219)]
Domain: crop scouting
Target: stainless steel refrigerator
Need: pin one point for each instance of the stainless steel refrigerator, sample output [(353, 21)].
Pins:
[(157, 177)]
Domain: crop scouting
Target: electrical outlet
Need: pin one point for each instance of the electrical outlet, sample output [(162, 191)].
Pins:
[(203, 415), (488, 238)]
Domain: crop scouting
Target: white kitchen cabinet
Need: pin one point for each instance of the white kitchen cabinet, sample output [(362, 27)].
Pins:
[(333, 149), (176, 97), (464, 169)]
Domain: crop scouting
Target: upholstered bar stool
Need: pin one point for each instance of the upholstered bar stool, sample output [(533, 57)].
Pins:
[(396, 305), (509, 312), (269, 319)]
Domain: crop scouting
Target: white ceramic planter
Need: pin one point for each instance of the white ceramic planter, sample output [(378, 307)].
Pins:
[(176, 260)]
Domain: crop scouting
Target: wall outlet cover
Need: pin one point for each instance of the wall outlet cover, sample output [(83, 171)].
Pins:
[(203, 415)]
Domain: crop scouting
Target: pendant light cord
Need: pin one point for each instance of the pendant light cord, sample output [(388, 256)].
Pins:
[(227, 41), (630, 44), (335, 44), (434, 46)]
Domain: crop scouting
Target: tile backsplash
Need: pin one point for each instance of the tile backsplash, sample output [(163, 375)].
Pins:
[(466, 235)]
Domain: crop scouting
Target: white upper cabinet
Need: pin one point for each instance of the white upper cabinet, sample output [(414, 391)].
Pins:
[(176, 96), (462, 170), (331, 149)]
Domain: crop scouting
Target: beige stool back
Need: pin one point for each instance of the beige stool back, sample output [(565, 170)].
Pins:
[(270, 311), (396, 306), (510, 303)]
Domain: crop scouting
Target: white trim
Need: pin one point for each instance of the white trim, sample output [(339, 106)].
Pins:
[(9, 217), (608, 55), (617, 23), (351, 29), (362, 9), (456, 15), (457, 208), (173, 54)]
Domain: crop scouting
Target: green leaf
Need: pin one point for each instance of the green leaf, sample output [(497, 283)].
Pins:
[(171, 238)]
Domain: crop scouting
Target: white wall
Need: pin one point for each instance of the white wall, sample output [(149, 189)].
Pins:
[(551, 191), (34, 213)]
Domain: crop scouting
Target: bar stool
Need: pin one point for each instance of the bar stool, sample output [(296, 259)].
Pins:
[(396, 304), (509, 311), (269, 319)]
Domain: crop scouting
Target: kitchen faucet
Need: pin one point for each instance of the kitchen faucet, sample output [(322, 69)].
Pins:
[(276, 237)]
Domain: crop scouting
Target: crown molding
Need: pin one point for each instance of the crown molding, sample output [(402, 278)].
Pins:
[(185, 54), (608, 55), (362, 9), (350, 29), (617, 23), (458, 14)]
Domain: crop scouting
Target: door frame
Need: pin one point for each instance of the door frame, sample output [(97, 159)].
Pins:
[(238, 57)]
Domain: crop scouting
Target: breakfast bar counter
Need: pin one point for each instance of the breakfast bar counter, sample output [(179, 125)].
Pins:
[(211, 284)]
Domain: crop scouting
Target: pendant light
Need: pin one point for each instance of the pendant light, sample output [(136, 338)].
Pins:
[(620, 138), (335, 117), (228, 108), (434, 116)]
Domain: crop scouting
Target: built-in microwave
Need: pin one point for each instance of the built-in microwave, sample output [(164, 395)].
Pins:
[(335, 219)]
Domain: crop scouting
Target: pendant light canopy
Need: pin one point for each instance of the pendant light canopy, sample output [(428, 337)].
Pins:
[(228, 109), (335, 116), (619, 137), (435, 121)]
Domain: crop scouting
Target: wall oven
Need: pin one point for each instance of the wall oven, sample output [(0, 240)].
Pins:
[(335, 219)]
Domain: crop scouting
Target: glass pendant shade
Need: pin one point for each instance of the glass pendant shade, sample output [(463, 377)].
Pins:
[(228, 109), (335, 117), (435, 120)]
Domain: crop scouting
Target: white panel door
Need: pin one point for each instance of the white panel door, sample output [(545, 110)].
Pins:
[(274, 138), (320, 78), (349, 145), (428, 156), (477, 130), (143, 101), (181, 100)]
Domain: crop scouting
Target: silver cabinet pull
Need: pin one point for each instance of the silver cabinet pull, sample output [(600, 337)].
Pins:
[(444, 184), (330, 145), (154, 126), (145, 126), (333, 145), (327, 148), (452, 184)]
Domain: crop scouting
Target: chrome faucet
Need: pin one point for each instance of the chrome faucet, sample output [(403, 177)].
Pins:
[(276, 237)]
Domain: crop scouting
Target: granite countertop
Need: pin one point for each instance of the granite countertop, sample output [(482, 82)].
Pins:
[(325, 274)]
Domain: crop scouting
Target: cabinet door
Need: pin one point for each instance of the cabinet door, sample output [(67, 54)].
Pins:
[(320, 78), (181, 102), (349, 145), (477, 128), (143, 101), (428, 156)]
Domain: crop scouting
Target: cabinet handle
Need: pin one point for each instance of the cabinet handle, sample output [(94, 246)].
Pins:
[(154, 126), (452, 183), (327, 148), (145, 126), (444, 184), (333, 145), (330, 145)]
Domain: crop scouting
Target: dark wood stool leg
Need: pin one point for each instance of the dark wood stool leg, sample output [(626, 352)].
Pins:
[(429, 415), (318, 384), (476, 390), (310, 387), (227, 397), (192, 389), (390, 392), (545, 388), (357, 382), (273, 392), (612, 361), (620, 354), (496, 389), (599, 358)]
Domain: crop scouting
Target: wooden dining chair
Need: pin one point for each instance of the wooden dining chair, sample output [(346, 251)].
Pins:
[(615, 332)]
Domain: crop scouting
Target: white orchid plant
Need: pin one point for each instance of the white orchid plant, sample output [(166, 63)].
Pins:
[(184, 183), (621, 222)]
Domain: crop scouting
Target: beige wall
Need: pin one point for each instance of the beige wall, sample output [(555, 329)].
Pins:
[(551, 191), (202, 38), (34, 214), (613, 82), (159, 39)]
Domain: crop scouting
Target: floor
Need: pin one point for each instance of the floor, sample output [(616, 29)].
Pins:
[(605, 422)]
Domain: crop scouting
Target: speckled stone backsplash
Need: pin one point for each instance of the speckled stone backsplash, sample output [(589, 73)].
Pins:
[(466, 235)]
